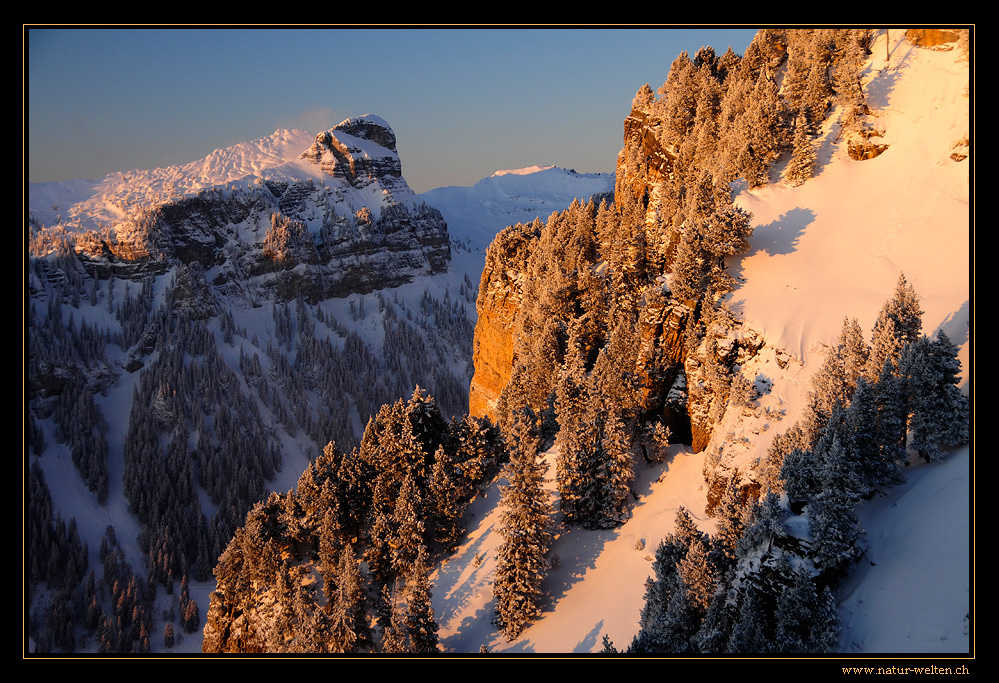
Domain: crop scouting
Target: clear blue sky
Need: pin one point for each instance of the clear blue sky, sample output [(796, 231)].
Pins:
[(462, 102)]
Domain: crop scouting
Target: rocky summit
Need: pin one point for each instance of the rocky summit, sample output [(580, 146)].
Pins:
[(261, 220)]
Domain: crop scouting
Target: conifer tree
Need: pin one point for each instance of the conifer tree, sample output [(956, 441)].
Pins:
[(899, 322), (771, 477), (849, 60), (871, 442), (805, 619), (698, 576), (938, 411), (346, 613), (643, 98), (767, 525), (892, 419), (832, 522), (731, 524), (189, 617), (670, 617), (687, 279), (617, 471), (749, 633), (803, 161), (420, 623), (712, 635), (575, 436), (521, 564), (856, 353), (445, 492), (830, 387), (408, 528), (395, 639), (886, 348)]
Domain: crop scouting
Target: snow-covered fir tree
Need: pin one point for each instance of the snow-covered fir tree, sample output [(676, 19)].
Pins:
[(521, 560), (938, 411)]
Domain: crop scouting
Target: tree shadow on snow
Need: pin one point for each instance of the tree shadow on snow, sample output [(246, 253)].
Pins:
[(780, 237), (956, 325), (577, 549), (591, 638)]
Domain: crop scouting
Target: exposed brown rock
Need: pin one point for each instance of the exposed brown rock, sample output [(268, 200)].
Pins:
[(700, 435), (500, 291), (748, 490), (862, 146), (643, 162), (932, 37), (660, 363)]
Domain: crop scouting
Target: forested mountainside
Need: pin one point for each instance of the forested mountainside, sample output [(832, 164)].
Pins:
[(677, 359), (607, 343), (605, 336), (191, 335), (196, 335)]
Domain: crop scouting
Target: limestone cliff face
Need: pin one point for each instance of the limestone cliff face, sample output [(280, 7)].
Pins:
[(661, 363), (643, 165), (643, 162), (500, 292), (359, 150), (934, 38), (646, 172)]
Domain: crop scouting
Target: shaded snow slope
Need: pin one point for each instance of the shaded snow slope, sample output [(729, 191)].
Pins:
[(910, 592), (599, 584)]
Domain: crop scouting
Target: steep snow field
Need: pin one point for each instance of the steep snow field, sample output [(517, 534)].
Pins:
[(829, 249), (273, 157)]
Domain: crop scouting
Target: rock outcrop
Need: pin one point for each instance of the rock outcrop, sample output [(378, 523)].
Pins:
[(643, 162), (360, 151), (500, 293), (645, 166), (661, 363), (934, 38)]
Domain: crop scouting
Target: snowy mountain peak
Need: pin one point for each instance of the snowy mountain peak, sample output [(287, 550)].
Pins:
[(257, 209), (477, 213), (359, 150)]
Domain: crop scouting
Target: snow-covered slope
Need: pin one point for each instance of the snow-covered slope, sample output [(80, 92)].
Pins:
[(286, 156), (829, 249), (835, 246), (273, 157), (478, 212)]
